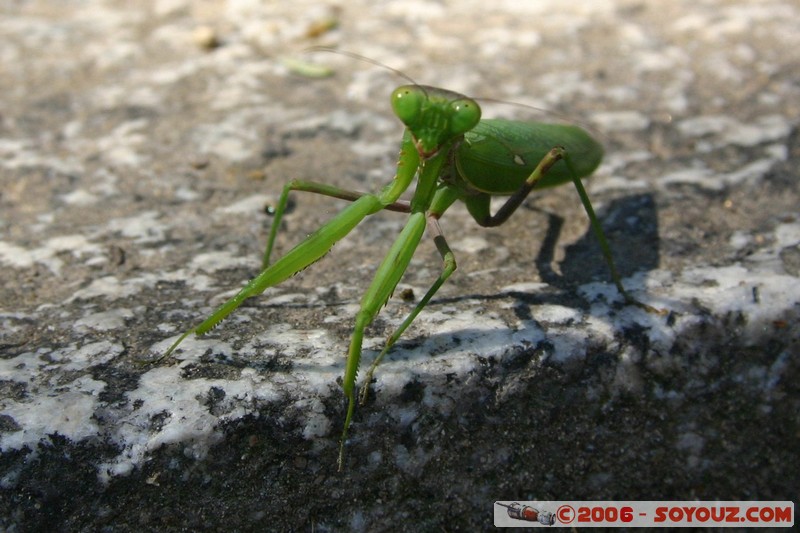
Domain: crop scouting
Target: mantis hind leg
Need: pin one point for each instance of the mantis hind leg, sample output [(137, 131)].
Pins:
[(601, 238), (478, 206)]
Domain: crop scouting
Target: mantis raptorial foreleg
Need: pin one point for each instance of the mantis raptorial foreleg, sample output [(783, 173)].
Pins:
[(386, 278), (318, 188), (441, 202), (448, 267), (298, 258)]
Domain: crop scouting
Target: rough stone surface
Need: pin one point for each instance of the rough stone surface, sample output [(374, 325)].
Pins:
[(139, 147)]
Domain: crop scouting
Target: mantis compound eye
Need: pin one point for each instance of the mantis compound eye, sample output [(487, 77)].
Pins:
[(407, 102), (466, 115)]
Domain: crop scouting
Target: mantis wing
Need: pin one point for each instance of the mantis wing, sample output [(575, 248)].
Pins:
[(497, 156)]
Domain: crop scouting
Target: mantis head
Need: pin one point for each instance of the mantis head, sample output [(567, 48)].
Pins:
[(434, 116)]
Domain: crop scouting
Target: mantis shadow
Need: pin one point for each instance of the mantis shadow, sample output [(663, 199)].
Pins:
[(631, 227)]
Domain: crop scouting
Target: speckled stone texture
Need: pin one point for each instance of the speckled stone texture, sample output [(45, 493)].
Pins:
[(141, 143)]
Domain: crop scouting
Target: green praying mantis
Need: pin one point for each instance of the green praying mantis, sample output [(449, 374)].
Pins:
[(454, 155)]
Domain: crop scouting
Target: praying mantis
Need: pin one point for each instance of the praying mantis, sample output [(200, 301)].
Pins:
[(454, 155)]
